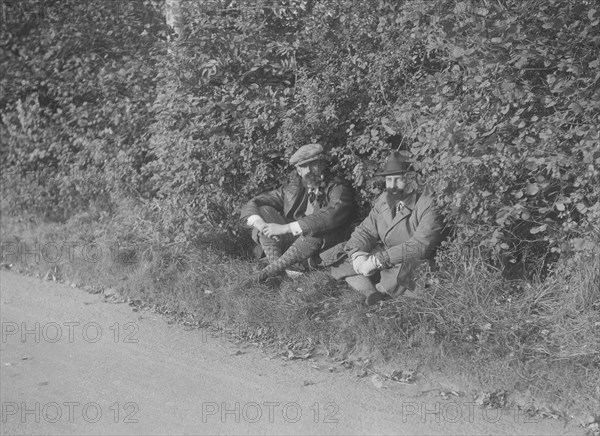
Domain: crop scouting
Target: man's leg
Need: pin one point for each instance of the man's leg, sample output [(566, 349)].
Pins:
[(273, 248), (302, 248), (365, 286), (362, 284)]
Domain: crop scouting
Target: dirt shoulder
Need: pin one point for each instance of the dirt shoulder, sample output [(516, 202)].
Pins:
[(71, 363)]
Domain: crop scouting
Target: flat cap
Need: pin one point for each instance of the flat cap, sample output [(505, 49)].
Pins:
[(306, 153)]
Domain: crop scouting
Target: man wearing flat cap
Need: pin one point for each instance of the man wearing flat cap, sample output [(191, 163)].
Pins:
[(402, 230), (295, 222)]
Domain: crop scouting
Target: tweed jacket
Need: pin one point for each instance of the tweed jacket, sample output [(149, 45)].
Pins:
[(413, 234), (404, 241), (332, 214)]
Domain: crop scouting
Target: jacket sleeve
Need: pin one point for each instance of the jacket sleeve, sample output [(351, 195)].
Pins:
[(272, 198), (339, 211), (424, 240), (365, 236)]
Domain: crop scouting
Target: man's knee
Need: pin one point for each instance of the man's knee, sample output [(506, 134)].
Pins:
[(271, 215)]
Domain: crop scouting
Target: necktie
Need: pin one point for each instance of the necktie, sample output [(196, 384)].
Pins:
[(397, 208), (314, 194)]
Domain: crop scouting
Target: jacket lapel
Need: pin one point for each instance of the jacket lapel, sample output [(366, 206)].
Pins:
[(294, 204), (386, 213), (401, 215)]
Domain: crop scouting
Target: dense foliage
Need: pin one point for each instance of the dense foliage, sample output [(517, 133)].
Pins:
[(497, 102), (79, 80)]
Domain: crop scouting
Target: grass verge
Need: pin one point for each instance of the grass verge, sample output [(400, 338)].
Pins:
[(535, 345)]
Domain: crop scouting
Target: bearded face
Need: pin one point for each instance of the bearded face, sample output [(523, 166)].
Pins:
[(312, 174), (311, 180), (395, 184), (396, 187)]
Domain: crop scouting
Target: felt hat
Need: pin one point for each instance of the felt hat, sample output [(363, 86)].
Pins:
[(307, 153), (396, 164)]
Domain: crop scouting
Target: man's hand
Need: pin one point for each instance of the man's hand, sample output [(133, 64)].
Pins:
[(358, 259), (272, 230), (367, 267), (257, 222)]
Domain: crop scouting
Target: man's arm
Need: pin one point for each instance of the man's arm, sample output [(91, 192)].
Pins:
[(365, 236), (251, 209)]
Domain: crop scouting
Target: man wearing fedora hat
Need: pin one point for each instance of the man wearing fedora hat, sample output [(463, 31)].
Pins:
[(294, 222), (402, 230)]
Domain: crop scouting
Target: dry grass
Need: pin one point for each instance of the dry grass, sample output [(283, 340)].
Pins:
[(538, 339)]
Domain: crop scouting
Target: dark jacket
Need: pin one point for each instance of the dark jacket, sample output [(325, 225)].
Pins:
[(333, 213)]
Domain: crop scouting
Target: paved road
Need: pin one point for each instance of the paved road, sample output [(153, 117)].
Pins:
[(73, 364)]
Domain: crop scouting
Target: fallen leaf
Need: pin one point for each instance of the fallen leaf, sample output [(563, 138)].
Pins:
[(346, 364), (403, 376), (447, 394), (292, 356), (492, 400), (291, 273), (377, 380), (481, 399)]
